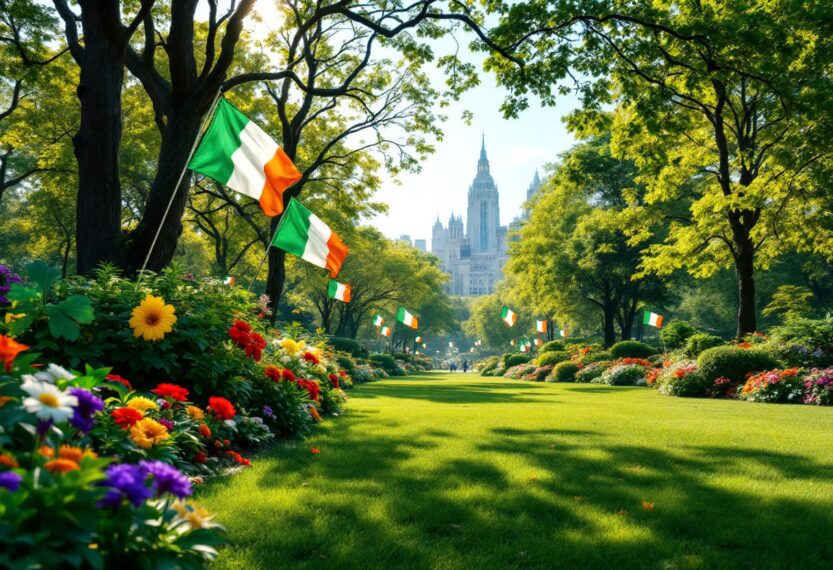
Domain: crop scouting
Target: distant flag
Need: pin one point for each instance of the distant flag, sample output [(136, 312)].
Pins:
[(541, 326), (339, 291), (418, 339), (562, 333), (477, 343), (538, 342), (508, 316), (304, 235), (228, 280), (652, 319), (237, 153), (424, 345), (406, 318), (512, 342), (450, 344), (378, 320), (385, 331), (526, 344)]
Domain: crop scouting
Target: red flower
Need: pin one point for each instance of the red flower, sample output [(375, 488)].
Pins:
[(118, 379), (240, 332), (288, 375), (238, 458), (310, 357), (273, 373), (342, 373), (201, 457), (172, 391), (255, 347), (126, 417), (311, 387), (205, 431), (9, 349), (333, 380), (315, 451), (218, 443), (221, 407)]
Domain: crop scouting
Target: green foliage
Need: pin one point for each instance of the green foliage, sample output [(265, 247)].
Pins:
[(484, 323), (348, 345), (386, 362), (683, 379), (595, 356), (553, 346), (790, 302), (565, 372), (733, 363), (675, 334), (803, 342), (622, 375), (345, 362), (631, 349), (592, 372), (513, 359), (552, 357), (699, 342)]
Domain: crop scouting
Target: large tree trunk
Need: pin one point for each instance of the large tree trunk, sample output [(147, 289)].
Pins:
[(96, 144), (177, 141), (275, 273), (745, 270)]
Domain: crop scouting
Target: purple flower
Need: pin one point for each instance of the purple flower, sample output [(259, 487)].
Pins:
[(6, 280), (167, 423), (126, 482), (10, 480), (88, 405), (166, 478), (267, 411), (44, 426)]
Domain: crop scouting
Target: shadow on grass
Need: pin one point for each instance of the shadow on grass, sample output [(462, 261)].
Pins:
[(460, 392), (373, 499)]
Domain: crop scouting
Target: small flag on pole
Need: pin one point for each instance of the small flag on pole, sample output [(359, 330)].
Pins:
[(339, 291), (508, 316), (239, 154), (228, 280), (406, 318), (512, 342), (652, 319), (541, 326), (424, 345), (386, 331), (562, 333), (477, 343), (538, 342), (418, 339), (304, 235), (378, 320)]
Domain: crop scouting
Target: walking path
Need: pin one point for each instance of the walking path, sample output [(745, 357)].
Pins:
[(456, 471)]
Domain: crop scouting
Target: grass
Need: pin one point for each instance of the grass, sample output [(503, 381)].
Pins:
[(457, 471)]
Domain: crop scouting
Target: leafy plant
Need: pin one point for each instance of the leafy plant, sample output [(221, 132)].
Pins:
[(675, 334), (565, 372), (699, 342), (552, 357), (631, 349), (733, 363)]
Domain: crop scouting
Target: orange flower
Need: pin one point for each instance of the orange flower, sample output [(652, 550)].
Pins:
[(315, 451), (5, 400), (647, 506), (8, 460), (314, 413), (46, 451), (75, 453), (61, 466), (9, 350), (205, 431)]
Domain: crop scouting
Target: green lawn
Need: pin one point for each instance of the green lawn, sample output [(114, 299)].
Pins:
[(457, 471)]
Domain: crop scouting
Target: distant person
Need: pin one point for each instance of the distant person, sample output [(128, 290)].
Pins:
[(465, 366)]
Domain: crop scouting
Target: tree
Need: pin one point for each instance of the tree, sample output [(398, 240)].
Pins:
[(485, 324), (714, 106)]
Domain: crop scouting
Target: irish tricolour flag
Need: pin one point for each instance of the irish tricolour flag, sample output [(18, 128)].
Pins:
[(652, 319), (228, 280), (541, 326), (562, 333), (418, 339), (237, 153), (385, 331), (538, 342), (338, 291), (304, 235), (378, 320), (406, 318), (508, 316)]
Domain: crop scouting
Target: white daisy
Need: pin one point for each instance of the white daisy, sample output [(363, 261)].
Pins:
[(53, 373), (47, 402)]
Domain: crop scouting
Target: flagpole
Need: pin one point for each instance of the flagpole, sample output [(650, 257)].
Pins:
[(268, 245), (197, 140)]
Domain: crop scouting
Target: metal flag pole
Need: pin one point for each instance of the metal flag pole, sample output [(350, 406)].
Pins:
[(178, 183), (269, 245)]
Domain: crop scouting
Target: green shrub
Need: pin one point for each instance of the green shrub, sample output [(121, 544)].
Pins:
[(699, 342), (592, 371), (623, 375), (539, 374), (804, 342), (348, 345), (733, 362), (565, 372), (595, 356), (683, 379), (514, 359), (519, 371), (675, 334), (553, 346), (631, 349), (345, 362), (552, 358), (386, 362)]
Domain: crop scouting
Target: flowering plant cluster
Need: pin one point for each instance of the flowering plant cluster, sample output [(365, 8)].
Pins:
[(774, 386), (818, 386)]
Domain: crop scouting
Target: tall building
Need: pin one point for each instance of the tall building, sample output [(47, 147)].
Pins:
[(474, 259)]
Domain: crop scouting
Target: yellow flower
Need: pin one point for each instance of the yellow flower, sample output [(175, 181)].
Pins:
[(12, 317), (147, 432), (292, 347), (196, 516), (142, 404), (152, 319), (195, 412)]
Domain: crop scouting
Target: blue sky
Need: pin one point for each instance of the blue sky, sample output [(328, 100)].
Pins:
[(515, 148)]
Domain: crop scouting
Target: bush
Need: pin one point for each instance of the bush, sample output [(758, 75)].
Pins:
[(623, 375), (804, 342), (553, 346), (775, 386), (345, 362), (595, 356), (675, 334), (552, 358), (513, 359), (683, 379), (591, 372), (819, 387), (733, 363), (699, 342), (631, 349), (519, 371), (386, 362), (348, 345), (539, 374), (565, 372)]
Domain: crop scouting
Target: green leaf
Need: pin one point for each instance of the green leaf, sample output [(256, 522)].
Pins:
[(21, 293), (43, 276), (78, 308), (66, 317)]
